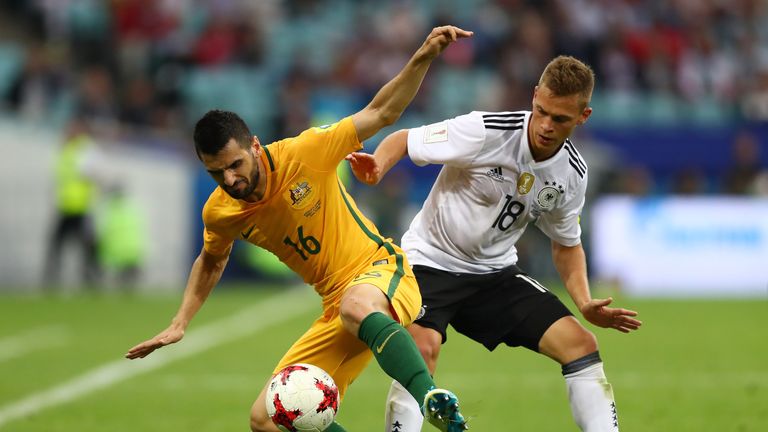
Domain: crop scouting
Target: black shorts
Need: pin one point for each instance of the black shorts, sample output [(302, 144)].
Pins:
[(505, 306)]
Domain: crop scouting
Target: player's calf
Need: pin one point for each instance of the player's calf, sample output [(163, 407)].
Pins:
[(260, 421)]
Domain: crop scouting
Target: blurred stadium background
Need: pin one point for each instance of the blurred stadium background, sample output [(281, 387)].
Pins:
[(676, 223)]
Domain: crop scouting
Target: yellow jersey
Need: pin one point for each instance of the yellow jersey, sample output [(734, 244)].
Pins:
[(306, 216)]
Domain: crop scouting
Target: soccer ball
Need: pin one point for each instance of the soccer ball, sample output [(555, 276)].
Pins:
[(302, 398)]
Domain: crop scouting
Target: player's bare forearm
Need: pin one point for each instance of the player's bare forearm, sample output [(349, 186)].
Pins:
[(390, 102), (571, 264), (205, 273), (391, 149), (370, 169)]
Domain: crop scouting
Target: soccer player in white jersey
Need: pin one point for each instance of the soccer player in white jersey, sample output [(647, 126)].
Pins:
[(500, 172)]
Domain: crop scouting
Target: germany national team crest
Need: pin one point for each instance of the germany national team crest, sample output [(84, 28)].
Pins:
[(549, 194), (525, 183), (299, 194)]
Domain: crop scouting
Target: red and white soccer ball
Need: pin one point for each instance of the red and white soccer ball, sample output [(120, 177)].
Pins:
[(302, 398)]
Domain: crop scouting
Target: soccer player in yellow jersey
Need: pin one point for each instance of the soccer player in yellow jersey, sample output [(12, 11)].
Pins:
[(287, 198)]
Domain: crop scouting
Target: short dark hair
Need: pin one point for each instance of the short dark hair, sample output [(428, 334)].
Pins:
[(566, 75), (214, 130)]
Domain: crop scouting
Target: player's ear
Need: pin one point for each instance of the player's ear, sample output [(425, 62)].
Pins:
[(256, 145), (585, 115)]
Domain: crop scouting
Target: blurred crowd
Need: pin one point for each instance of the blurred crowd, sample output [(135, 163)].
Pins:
[(151, 64)]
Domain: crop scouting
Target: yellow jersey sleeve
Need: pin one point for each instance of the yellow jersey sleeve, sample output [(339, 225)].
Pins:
[(215, 240), (327, 145), (214, 243)]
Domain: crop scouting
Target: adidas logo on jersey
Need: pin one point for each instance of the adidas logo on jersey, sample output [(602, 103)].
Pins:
[(495, 174)]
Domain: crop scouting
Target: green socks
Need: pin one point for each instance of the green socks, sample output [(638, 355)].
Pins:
[(396, 353)]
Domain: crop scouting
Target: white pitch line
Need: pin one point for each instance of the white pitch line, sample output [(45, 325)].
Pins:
[(31, 340), (250, 320)]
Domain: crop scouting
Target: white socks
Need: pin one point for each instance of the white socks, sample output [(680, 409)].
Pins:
[(591, 397), (403, 413)]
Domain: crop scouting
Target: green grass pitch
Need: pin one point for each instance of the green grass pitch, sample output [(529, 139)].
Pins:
[(696, 365)]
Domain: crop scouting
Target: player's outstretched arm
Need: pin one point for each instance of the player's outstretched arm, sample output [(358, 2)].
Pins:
[(371, 168), (390, 102), (571, 263), (206, 272)]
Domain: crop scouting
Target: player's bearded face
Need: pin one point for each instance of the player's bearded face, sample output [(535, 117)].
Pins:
[(235, 169), (245, 185)]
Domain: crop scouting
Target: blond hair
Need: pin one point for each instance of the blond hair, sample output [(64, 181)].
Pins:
[(566, 76)]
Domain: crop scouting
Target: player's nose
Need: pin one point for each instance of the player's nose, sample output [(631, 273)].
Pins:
[(547, 124), (229, 178)]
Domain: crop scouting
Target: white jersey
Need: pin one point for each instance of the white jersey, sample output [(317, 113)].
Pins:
[(488, 190)]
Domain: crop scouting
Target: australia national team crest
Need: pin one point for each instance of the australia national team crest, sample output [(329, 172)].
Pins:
[(299, 194), (525, 183), (549, 194)]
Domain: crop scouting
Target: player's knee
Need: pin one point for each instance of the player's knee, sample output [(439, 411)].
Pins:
[(567, 340), (582, 343), (429, 343), (359, 302), (587, 341), (429, 354), (352, 311)]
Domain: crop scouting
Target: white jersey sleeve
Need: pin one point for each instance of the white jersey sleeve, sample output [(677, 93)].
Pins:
[(562, 224), (455, 142)]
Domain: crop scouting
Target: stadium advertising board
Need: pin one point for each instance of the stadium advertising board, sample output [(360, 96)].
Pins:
[(684, 247)]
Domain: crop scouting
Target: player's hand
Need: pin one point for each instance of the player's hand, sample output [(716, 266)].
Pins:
[(364, 167), (168, 336), (598, 314), (439, 38)]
